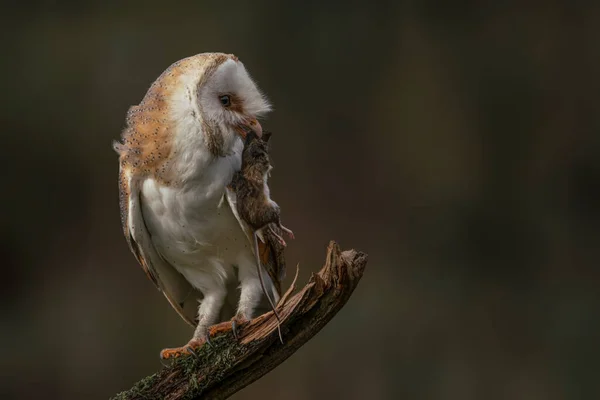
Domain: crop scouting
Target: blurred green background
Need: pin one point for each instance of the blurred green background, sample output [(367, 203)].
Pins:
[(458, 143)]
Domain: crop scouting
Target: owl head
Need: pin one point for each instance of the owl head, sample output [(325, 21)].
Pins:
[(229, 97), (200, 107), (217, 93)]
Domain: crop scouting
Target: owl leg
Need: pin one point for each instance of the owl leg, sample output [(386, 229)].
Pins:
[(208, 313), (251, 291), (253, 287)]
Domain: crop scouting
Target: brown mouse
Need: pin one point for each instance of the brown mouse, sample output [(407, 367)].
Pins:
[(258, 210), (254, 202)]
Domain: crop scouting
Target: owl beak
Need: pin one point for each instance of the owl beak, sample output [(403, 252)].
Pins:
[(250, 125)]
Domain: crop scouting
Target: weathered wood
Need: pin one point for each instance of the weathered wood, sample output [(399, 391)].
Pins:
[(220, 370)]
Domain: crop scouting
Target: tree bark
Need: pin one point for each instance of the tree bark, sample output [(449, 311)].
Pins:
[(228, 365)]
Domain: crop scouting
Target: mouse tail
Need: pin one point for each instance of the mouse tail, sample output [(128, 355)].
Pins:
[(262, 285)]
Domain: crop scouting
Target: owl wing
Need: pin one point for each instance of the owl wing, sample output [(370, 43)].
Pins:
[(269, 249), (178, 291)]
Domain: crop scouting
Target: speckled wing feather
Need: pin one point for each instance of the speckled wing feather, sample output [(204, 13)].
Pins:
[(178, 291), (269, 249)]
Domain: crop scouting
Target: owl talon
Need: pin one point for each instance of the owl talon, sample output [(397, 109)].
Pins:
[(195, 344), (207, 339), (234, 330), (236, 322), (191, 351), (162, 361)]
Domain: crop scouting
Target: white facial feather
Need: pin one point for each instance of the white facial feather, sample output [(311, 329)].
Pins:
[(232, 78)]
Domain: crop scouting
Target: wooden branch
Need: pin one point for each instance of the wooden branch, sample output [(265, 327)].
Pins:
[(229, 365)]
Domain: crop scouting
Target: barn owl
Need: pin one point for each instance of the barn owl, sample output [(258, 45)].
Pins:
[(179, 151)]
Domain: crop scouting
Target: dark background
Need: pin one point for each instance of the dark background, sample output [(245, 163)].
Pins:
[(457, 143)]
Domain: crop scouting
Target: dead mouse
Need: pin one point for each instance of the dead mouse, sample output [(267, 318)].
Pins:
[(258, 210)]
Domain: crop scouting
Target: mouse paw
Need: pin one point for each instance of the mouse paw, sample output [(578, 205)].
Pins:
[(278, 237), (288, 231)]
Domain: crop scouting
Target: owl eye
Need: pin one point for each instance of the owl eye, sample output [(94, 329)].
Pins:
[(225, 100)]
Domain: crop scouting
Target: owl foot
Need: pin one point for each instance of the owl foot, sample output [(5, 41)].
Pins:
[(195, 344), (190, 348)]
